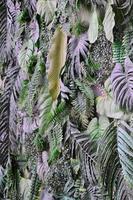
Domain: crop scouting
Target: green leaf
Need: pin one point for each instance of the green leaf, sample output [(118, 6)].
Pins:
[(97, 127)]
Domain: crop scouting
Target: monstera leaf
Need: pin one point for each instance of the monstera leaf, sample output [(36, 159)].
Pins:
[(56, 59), (78, 48), (122, 85)]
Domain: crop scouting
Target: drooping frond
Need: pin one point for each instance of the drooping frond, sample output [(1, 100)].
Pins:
[(35, 185), (108, 161), (109, 164), (5, 113), (13, 117), (34, 84), (125, 150), (85, 147), (122, 190), (7, 27), (25, 54)]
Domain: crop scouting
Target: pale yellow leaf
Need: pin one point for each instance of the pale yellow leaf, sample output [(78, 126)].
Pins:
[(109, 22), (93, 26), (56, 58)]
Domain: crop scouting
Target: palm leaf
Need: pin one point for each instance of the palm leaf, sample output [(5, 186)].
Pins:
[(125, 150), (122, 189), (85, 148), (108, 161)]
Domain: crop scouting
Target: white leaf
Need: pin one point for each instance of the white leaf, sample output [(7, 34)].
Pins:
[(93, 27), (109, 22)]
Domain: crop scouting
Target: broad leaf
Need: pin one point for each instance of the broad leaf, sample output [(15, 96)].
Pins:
[(109, 22), (78, 48), (93, 26), (122, 85), (56, 59), (106, 104)]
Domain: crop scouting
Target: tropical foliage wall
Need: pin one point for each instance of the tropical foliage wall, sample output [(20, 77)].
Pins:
[(66, 99)]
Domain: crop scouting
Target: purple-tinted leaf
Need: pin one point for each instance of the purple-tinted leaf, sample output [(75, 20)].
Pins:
[(78, 49), (122, 85), (34, 30)]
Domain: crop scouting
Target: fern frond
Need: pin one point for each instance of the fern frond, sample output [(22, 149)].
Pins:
[(48, 114), (7, 27), (35, 186), (127, 42), (25, 54), (87, 153), (119, 53), (34, 84), (11, 76), (55, 137), (12, 181)]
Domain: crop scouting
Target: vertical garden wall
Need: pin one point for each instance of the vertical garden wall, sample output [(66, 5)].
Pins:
[(66, 100)]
